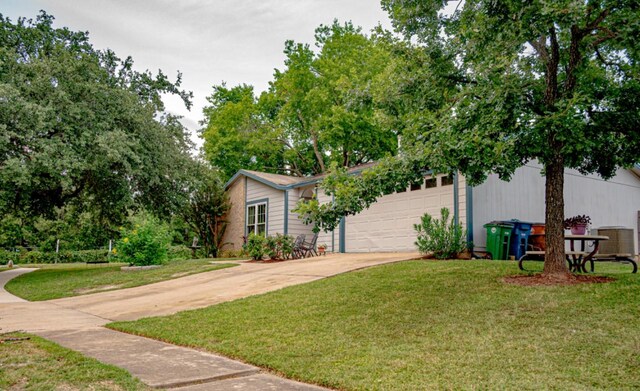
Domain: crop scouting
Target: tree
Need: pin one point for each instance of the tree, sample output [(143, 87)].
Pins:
[(79, 127), (553, 81), (318, 110), (207, 207)]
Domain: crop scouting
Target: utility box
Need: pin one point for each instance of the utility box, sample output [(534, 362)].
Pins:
[(620, 240)]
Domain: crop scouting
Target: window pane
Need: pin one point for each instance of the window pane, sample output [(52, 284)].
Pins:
[(416, 186), (251, 215), (262, 213), (250, 229), (446, 180), (430, 182), (262, 228)]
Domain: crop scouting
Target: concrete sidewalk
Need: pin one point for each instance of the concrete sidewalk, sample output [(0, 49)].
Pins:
[(5, 276), (161, 365)]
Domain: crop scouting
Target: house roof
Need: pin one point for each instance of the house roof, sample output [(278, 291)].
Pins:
[(284, 182)]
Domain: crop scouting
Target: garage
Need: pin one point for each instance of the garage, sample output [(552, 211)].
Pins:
[(388, 224)]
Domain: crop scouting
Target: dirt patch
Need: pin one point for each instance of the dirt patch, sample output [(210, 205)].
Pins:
[(269, 260), (542, 280), (83, 291)]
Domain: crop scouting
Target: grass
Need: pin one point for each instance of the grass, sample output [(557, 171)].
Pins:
[(64, 280), (427, 325), (37, 364)]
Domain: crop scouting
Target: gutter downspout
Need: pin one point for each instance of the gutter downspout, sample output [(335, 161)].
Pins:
[(286, 212), (456, 200), (469, 193)]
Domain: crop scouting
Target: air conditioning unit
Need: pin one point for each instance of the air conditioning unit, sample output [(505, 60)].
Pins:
[(620, 240)]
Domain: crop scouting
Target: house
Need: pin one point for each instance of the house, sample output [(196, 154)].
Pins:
[(263, 203)]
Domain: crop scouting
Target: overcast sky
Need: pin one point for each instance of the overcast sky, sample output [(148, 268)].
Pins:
[(236, 41)]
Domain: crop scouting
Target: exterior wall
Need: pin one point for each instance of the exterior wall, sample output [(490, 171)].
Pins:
[(257, 191), (609, 203), (388, 224), (294, 224), (331, 238), (236, 216)]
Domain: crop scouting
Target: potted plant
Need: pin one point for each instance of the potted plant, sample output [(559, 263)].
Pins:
[(322, 249), (577, 224)]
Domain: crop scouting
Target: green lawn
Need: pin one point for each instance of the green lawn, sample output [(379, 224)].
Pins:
[(64, 280), (37, 364), (428, 325)]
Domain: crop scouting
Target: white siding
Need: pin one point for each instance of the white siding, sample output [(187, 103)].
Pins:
[(275, 212), (388, 224), (331, 238), (296, 226), (609, 203)]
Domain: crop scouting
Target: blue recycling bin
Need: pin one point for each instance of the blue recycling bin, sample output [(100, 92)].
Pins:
[(519, 237)]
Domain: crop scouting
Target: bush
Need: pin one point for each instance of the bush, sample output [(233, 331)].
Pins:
[(441, 238), (179, 252), (147, 243), (256, 246), (279, 246)]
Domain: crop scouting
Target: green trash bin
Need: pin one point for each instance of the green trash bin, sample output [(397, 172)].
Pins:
[(498, 239)]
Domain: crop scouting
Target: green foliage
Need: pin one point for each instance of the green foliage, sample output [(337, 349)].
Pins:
[(255, 246), (443, 239), (207, 205), (319, 110), (145, 243), (79, 127), (29, 257), (279, 246)]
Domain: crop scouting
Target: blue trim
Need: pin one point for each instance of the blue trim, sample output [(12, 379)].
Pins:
[(333, 231), (286, 212), (456, 199), (343, 244), (469, 196), (246, 195), (266, 217)]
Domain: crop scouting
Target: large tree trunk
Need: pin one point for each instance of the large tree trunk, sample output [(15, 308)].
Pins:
[(555, 265)]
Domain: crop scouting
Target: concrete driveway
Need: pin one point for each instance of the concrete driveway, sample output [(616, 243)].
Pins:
[(195, 291), (75, 322)]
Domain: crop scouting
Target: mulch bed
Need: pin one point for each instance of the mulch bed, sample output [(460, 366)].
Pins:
[(542, 280), (269, 260)]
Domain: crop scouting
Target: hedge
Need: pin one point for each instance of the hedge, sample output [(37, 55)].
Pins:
[(82, 256)]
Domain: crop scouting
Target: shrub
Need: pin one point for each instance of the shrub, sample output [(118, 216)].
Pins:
[(179, 252), (440, 237), (147, 243), (256, 246), (52, 257)]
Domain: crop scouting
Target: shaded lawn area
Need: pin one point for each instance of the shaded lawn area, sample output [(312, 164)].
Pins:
[(64, 280), (37, 364), (427, 325)]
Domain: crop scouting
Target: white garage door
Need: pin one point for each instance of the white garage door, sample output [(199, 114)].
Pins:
[(388, 224)]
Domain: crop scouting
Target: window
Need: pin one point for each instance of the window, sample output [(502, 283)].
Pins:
[(446, 180), (257, 218), (401, 190), (430, 182), (416, 186)]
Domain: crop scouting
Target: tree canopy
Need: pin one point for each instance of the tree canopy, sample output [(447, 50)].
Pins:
[(552, 81), (80, 128), (319, 110)]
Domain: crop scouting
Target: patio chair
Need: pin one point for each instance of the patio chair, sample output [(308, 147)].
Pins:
[(297, 246), (310, 247)]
